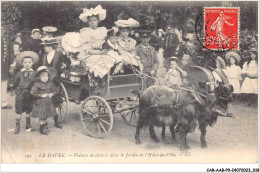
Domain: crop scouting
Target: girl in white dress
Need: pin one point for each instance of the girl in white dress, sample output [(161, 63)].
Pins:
[(92, 38), (233, 71), (250, 69)]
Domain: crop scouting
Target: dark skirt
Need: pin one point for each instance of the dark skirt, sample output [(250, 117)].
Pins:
[(23, 101), (43, 108)]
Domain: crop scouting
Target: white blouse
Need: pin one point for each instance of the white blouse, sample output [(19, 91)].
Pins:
[(250, 69), (233, 72), (93, 37)]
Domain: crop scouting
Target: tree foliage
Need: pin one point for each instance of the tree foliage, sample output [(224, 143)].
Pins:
[(11, 19)]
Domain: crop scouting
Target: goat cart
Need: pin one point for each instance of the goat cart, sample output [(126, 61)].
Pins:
[(100, 100)]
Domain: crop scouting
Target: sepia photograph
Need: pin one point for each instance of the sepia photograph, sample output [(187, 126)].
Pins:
[(129, 82)]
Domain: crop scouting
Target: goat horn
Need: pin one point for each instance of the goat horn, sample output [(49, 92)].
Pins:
[(206, 71), (222, 75)]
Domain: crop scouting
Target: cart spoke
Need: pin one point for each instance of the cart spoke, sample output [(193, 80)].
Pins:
[(131, 117), (104, 115), (102, 127), (86, 119), (95, 104), (90, 108), (90, 124), (104, 121), (126, 114), (99, 130), (84, 110), (134, 115), (63, 106)]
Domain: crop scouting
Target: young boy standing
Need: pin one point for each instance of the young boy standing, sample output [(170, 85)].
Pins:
[(148, 59), (23, 81)]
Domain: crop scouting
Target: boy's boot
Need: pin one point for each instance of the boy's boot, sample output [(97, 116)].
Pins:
[(57, 123), (47, 128), (17, 127), (43, 129), (28, 123)]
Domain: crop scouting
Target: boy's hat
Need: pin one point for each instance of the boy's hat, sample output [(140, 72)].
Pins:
[(235, 55), (167, 62), (50, 41), (93, 11), (145, 33), (19, 58), (49, 29), (169, 27), (36, 30), (52, 71)]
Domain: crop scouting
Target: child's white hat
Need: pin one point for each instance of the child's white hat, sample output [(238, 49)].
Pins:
[(51, 71), (233, 54), (36, 30), (102, 13), (19, 58), (168, 60)]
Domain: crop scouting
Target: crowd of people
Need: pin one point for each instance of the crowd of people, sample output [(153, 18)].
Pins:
[(38, 61)]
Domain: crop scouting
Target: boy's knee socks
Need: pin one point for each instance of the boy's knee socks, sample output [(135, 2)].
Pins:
[(18, 120)]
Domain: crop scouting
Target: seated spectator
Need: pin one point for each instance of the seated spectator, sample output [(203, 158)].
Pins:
[(112, 41), (34, 42)]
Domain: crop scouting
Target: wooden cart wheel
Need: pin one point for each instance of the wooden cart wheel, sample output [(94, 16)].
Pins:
[(63, 103), (96, 116), (131, 115)]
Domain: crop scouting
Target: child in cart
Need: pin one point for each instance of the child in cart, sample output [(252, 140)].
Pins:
[(43, 91), (23, 81), (112, 45), (126, 48), (92, 38), (174, 75)]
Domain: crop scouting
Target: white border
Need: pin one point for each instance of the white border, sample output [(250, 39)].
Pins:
[(128, 167)]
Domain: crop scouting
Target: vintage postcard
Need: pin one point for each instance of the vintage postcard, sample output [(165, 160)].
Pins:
[(129, 82)]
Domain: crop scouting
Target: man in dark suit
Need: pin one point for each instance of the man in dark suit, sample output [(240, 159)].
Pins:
[(5, 64), (148, 58)]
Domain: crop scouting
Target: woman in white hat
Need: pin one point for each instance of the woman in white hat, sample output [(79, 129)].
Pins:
[(233, 71), (48, 32), (250, 70), (126, 44)]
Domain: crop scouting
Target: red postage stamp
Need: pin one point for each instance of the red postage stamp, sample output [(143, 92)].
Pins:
[(221, 28)]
